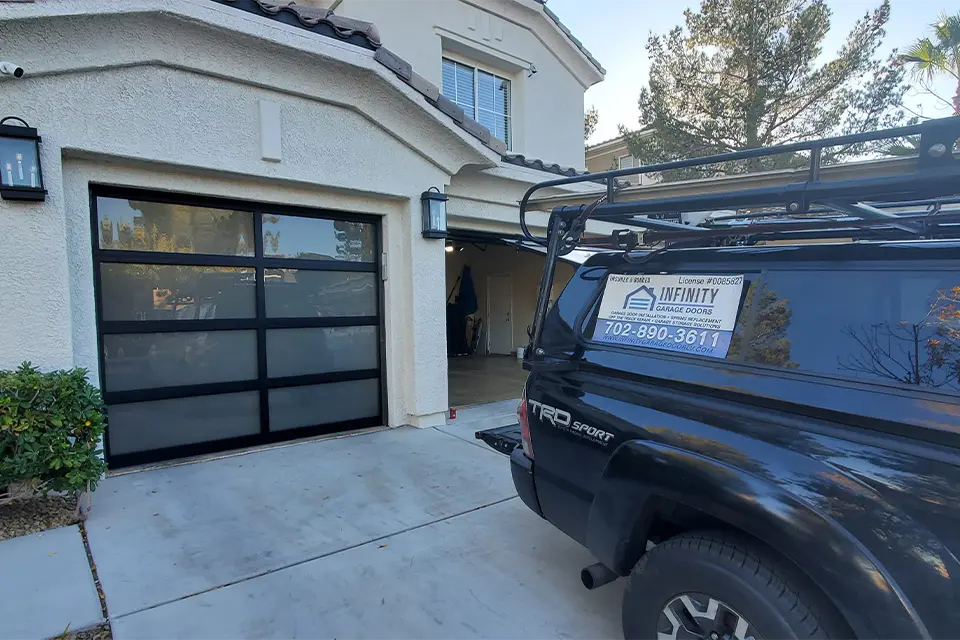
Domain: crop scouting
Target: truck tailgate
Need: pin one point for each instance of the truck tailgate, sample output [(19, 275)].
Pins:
[(503, 439)]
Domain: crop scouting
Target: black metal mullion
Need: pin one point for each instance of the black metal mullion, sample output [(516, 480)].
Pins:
[(318, 265), (98, 309), (324, 378), (381, 319), (216, 202), (176, 326), (121, 256), (119, 327), (316, 321), (262, 378), (176, 392)]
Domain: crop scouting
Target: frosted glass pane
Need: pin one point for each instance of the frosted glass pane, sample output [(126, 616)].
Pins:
[(166, 292), (317, 239), (143, 426), (147, 360), (295, 407), (302, 293), (173, 228), (297, 352)]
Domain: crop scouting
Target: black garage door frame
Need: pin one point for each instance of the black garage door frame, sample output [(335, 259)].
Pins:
[(260, 323)]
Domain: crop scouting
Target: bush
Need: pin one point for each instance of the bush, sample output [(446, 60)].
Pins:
[(50, 429)]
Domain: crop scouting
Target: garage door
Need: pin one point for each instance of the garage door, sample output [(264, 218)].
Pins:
[(227, 324)]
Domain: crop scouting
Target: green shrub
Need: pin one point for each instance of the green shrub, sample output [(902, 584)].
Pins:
[(50, 429)]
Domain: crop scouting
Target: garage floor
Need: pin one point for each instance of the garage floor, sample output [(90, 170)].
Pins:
[(482, 379), (401, 533)]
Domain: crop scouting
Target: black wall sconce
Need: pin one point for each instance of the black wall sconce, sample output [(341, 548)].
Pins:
[(434, 213), (20, 175)]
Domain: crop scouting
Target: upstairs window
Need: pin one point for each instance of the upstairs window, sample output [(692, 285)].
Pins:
[(626, 162), (483, 96)]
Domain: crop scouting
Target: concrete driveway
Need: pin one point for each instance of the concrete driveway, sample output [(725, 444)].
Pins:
[(402, 533)]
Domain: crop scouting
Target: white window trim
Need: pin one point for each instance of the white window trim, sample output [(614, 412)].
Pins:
[(620, 161), (476, 92)]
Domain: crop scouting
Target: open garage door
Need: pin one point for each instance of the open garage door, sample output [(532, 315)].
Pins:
[(228, 324), (483, 341)]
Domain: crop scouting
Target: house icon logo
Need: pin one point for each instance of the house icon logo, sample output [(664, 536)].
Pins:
[(642, 299)]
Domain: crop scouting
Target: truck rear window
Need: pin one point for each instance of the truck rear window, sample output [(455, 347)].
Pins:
[(899, 327), (894, 326)]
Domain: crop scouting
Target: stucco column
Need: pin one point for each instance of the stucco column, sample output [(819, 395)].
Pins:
[(34, 288), (427, 382)]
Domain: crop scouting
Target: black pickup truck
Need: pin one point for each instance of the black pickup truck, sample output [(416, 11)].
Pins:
[(755, 416)]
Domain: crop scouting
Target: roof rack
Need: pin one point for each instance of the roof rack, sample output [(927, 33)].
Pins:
[(922, 203)]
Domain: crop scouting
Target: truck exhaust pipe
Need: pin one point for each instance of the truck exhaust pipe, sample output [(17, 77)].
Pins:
[(597, 575)]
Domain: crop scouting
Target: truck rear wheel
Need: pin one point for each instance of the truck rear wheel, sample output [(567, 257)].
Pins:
[(715, 586)]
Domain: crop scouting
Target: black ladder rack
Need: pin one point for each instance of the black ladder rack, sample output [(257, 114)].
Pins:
[(919, 203)]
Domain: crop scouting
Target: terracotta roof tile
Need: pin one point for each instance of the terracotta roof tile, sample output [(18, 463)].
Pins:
[(321, 21)]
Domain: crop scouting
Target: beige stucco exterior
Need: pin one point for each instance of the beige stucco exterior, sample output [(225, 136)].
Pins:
[(167, 95), (504, 37), (606, 155)]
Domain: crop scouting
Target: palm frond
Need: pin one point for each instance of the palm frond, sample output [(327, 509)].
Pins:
[(928, 59)]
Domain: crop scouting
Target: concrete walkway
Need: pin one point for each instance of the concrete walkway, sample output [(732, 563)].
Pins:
[(401, 533), (46, 585)]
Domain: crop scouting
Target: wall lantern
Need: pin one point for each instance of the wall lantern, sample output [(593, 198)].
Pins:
[(20, 177), (434, 213)]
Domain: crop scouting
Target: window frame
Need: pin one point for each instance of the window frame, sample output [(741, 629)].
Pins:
[(620, 161), (475, 70)]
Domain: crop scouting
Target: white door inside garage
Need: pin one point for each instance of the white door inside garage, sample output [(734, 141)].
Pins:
[(227, 324)]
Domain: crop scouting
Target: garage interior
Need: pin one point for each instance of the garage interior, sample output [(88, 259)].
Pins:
[(491, 285)]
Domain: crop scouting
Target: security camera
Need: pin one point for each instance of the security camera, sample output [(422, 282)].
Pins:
[(11, 69), (532, 69)]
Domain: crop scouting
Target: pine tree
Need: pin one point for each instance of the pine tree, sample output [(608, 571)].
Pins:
[(742, 74)]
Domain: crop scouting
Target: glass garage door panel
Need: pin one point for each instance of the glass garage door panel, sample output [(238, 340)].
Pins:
[(150, 360), (174, 292), (208, 311), (297, 352), (302, 293), (134, 225), (294, 407), (144, 426), (318, 239)]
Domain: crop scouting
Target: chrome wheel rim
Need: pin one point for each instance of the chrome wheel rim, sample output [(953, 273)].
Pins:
[(695, 615)]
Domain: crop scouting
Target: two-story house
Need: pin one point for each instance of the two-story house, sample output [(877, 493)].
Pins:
[(231, 236), (615, 154)]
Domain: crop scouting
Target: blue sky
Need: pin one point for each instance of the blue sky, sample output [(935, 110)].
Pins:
[(615, 32)]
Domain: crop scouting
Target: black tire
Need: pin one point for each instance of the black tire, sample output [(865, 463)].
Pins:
[(736, 573)]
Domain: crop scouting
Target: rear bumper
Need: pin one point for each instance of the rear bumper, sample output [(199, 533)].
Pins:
[(521, 467)]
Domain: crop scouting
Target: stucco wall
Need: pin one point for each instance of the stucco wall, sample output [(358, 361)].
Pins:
[(605, 159), (525, 269), (500, 36), (159, 100)]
